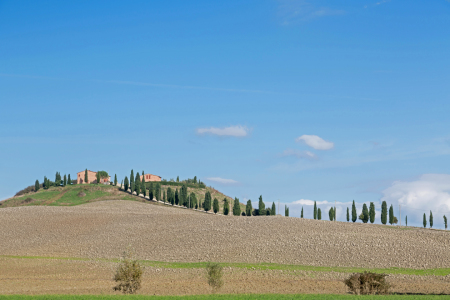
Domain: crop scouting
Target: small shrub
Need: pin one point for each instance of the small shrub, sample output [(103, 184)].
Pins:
[(214, 272), (81, 194), (128, 275), (367, 283)]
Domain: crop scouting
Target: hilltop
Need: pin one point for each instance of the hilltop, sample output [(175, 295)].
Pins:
[(77, 194)]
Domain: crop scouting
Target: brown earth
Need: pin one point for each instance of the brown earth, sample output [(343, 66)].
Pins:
[(54, 276), (160, 233)]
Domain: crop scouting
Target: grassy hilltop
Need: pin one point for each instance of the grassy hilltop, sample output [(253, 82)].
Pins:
[(85, 193)]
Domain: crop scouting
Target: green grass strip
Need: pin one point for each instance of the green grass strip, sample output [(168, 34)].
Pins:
[(260, 266), (221, 297)]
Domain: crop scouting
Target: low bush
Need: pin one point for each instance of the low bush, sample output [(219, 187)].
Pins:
[(367, 283), (214, 273), (128, 275)]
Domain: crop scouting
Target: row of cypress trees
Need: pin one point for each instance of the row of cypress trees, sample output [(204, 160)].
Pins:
[(48, 183)]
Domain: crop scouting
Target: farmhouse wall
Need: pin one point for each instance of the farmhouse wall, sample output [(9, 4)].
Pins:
[(150, 177)]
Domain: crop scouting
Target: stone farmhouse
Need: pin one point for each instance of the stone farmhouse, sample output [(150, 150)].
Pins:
[(150, 177), (92, 178)]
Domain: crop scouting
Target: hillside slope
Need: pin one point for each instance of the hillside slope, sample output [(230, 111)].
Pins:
[(79, 194), (160, 233)]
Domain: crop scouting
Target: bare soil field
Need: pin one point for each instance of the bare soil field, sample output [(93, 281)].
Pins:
[(103, 230)]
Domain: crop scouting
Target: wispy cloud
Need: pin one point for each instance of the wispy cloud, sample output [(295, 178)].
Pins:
[(293, 11), (223, 181), (236, 131), (299, 154), (315, 142)]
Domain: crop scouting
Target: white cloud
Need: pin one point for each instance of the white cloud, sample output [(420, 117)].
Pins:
[(222, 180), (429, 192), (237, 131), (299, 154), (315, 142)]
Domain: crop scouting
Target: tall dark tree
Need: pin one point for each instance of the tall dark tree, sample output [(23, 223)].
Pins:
[(65, 180), (115, 179), (69, 181), (372, 212), (431, 219), (424, 221), (315, 210), (261, 207), (319, 214), (57, 179), (348, 214), (36, 186), (384, 213), (158, 191), (184, 195), (331, 214), (226, 207), (177, 198), (133, 188), (207, 202), (248, 208), (301, 213), (170, 197), (273, 210), (406, 221), (195, 179), (364, 216), (286, 211), (236, 207), (137, 183), (98, 177), (354, 214), (178, 178), (86, 179), (143, 187), (445, 222), (132, 176), (391, 215), (193, 200), (126, 184), (215, 205)]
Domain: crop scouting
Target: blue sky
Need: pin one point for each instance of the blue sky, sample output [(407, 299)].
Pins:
[(294, 100)]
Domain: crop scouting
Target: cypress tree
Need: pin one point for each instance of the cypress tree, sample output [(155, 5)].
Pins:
[(248, 208), (178, 178), (330, 214), (261, 207), (98, 177), (236, 207), (364, 217), (445, 222), (193, 200), (384, 213), (216, 205), (406, 221), (315, 210), (132, 187), (348, 214), (286, 211), (126, 184), (164, 196), (372, 212), (207, 202), (354, 214), (143, 186), (65, 180), (301, 213), (424, 221), (36, 186), (431, 219), (273, 211), (69, 181), (115, 179), (121, 184), (86, 180), (319, 214), (177, 198), (158, 191), (226, 207), (391, 215), (137, 183)]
